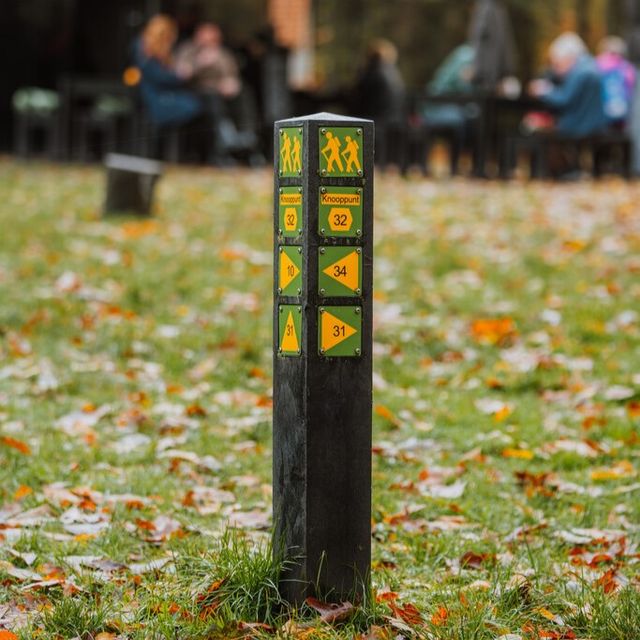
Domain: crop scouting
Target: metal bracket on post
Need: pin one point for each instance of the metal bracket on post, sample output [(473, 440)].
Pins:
[(323, 258)]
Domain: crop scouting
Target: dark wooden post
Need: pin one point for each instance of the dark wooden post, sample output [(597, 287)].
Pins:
[(323, 256)]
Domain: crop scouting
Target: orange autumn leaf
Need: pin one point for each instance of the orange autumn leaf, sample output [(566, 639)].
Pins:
[(608, 581), (386, 413), (20, 446), (195, 410), (106, 636), (633, 409), (386, 596), (409, 613), (22, 491), (439, 618), (7, 635), (493, 330), (502, 414), (134, 230), (520, 454)]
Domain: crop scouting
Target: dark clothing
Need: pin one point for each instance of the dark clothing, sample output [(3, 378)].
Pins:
[(163, 93), (632, 20), (491, 37), (578, 101), (380, 93)]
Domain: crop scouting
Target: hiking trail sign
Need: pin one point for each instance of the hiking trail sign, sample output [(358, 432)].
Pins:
[(323, 263)]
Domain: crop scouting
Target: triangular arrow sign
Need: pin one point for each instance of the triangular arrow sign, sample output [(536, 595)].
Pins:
[(288, 270), (346, 271), (334, 331), (290, 338)]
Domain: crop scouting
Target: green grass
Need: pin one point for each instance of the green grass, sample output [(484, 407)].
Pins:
[(122, 340)]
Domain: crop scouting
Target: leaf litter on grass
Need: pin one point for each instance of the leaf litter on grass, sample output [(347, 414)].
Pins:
[(135, 412)]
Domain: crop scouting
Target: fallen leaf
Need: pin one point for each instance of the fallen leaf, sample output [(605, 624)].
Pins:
[(330, 612), (521, 454), (440, 617), (20, 446), (409, 613), (621, 470)]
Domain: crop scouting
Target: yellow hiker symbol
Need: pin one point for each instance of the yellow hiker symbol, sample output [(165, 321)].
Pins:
[(290, 338), (288, 270), (285, 154), (296, 160), (334, 331), (331, 152), (350, 154), (346, 271)]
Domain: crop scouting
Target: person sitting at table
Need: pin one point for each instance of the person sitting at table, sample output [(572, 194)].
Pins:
[(164, 94), (213, 72), (576, 100), (453, 77), (209, 66), (618, 77)]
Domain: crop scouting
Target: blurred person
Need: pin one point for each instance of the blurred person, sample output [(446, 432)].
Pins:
[(379, 92), (577, 99), (208, 65), (491, 36), (163, 92), (213, 72), (632, 19), (618, 77), (453, 76)]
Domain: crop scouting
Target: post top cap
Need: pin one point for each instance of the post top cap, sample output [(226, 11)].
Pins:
[(134, 164), (323, 116)]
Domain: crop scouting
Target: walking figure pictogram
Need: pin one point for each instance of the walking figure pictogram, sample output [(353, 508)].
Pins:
[(285, 154), (331, 151), (296, 163), (350, 154)]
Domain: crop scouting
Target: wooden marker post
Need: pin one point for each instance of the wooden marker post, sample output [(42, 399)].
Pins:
[(323, 258)]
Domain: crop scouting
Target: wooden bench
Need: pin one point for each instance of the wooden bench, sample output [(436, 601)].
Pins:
[(598, 147)]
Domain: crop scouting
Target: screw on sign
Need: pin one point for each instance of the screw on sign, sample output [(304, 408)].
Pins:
[(323, 264)]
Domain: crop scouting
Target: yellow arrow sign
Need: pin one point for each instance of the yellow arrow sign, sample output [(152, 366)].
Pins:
[(288, 270), (334, 331), (290, 338), (340, 219), (346, 271), (290, 218)]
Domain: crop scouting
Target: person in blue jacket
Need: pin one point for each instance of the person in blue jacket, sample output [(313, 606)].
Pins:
[(577, 100), (163, 92)]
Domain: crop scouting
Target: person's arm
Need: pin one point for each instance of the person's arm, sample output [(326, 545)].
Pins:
[(157, 73), (563, 95)]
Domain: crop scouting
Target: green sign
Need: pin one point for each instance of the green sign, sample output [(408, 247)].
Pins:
[(340, 212), (340, 331), (340, 271), (289, 330), (290, 212), (290, 163), (340, 151), (290, 271)]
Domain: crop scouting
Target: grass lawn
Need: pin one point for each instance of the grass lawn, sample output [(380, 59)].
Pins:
[(135, 382)]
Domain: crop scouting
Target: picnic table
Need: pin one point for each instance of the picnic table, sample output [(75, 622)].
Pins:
[(498, 117), (77, 96)]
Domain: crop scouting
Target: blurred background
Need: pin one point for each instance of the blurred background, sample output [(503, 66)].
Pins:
[(292, 56)]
